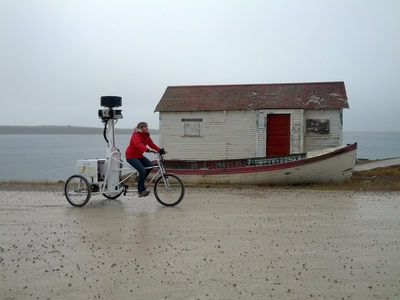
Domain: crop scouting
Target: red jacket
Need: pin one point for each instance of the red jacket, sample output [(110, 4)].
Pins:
[(138, 143)]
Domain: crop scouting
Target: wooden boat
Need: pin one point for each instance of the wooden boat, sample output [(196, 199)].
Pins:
[(319, 166)]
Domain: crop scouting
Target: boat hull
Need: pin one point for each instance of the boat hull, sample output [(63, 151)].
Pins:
[(330, 165)]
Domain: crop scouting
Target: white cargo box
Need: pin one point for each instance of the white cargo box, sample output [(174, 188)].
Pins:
[(93, 170)]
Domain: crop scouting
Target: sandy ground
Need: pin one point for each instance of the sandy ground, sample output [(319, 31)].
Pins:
[(216, 244)]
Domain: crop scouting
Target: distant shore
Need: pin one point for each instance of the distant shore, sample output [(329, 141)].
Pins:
[(52, 129)]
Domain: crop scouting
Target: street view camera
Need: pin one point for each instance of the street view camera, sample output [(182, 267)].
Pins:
[(108, 113)]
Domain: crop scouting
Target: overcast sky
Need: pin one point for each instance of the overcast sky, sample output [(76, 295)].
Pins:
[(58, 57)]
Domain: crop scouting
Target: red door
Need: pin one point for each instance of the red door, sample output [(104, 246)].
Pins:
[(278, 134)]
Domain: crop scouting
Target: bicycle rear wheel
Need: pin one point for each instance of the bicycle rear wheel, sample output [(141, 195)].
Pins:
[(169, 190), (77, 190)]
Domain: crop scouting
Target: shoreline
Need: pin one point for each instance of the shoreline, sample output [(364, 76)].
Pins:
[(55, 129)]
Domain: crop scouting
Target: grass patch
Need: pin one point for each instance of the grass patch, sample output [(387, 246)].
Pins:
[(15, 185), (379, 179)]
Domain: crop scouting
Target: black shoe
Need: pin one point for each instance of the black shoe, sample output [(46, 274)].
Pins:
[(144, 194)]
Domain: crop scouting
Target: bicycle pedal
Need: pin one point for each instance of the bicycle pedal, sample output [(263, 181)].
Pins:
[(125, 189)]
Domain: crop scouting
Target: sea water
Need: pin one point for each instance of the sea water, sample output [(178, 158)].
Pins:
[(48, 157), (374, 145), (36, 157)]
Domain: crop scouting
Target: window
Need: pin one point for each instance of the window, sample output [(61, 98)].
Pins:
[(192, 127), (317, 126)]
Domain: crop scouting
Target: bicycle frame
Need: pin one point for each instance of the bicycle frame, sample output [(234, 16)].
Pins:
[(114, 188)]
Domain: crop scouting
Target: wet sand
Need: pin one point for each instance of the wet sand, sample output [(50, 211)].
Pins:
[(216, 244)]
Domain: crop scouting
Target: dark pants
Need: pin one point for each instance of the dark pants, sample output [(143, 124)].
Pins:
[(140, 164)]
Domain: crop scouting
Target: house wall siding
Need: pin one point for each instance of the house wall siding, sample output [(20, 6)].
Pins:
[(242, 134), (316, 140), (225, 135), (296, 132), (261, 135)]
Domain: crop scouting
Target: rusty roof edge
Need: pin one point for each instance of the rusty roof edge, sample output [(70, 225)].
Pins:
[(254, 84)]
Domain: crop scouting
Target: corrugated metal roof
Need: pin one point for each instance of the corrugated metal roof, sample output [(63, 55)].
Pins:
[(317, 95)]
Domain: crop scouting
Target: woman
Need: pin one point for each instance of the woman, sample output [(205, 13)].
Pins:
[(140, 143)]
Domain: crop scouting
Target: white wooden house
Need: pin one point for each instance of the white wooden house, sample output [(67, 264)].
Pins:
[(255, 120)]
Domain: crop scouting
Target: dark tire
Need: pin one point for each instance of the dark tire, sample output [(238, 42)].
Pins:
[(112, 197), (77, 190), (169, 191)]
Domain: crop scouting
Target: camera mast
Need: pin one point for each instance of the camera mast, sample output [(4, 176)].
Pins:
[(109, 116)]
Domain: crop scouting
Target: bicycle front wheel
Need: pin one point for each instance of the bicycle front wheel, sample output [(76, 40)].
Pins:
[(77, 190), (169, 190)]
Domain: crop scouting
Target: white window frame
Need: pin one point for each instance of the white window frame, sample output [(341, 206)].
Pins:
[(192, 127)]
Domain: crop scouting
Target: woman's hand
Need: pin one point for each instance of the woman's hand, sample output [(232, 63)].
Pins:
[(162, 151)]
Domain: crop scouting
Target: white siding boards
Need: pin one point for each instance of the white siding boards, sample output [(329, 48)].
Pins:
[(224, 135), (243, 134), (323, 129)]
